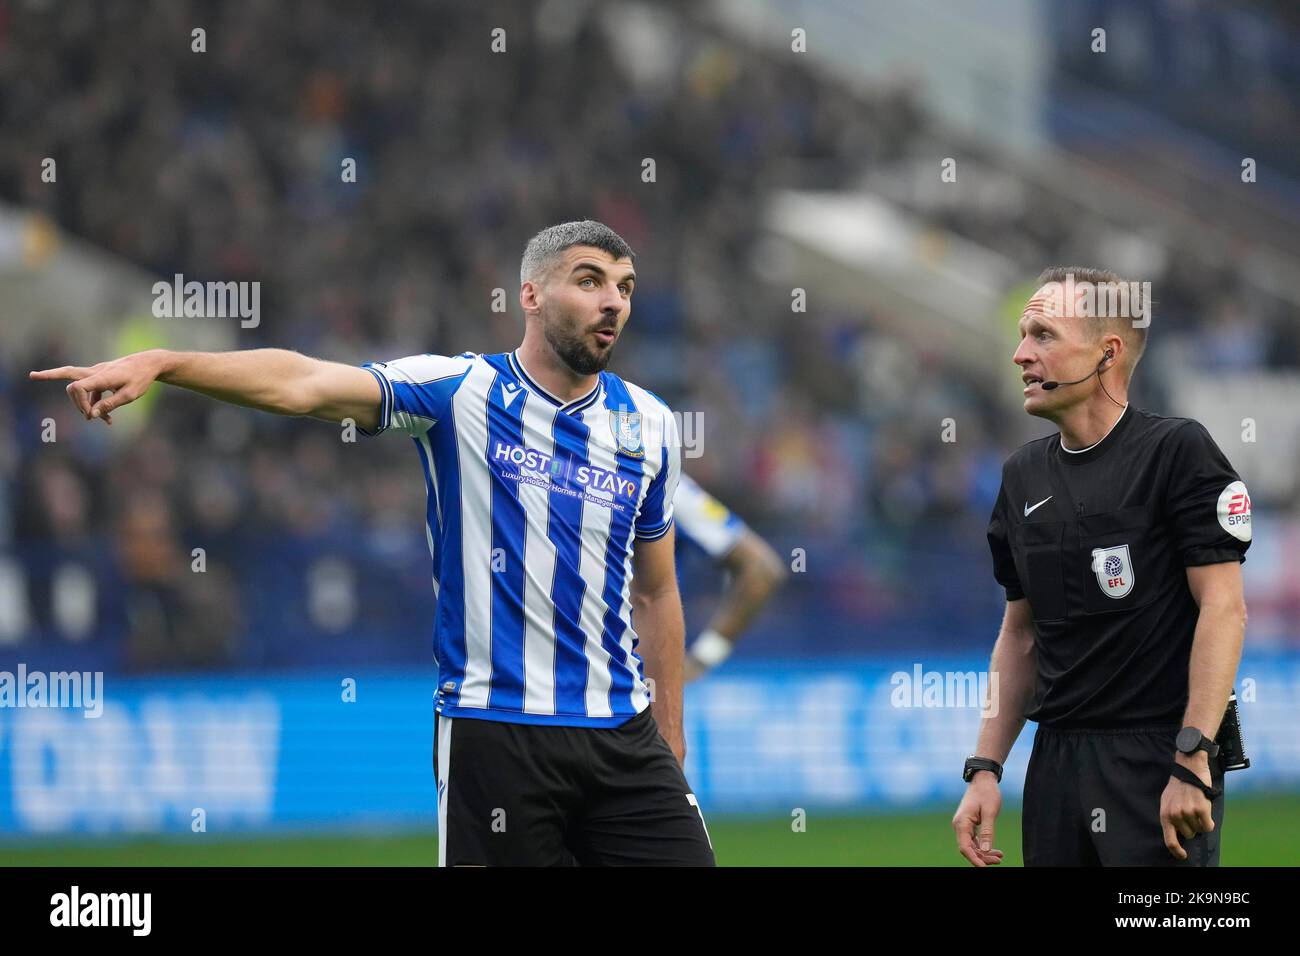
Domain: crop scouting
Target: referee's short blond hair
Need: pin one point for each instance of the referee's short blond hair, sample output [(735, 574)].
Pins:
[(1126, 307)]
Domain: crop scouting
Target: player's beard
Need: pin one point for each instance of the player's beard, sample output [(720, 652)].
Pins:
[(569, 340)]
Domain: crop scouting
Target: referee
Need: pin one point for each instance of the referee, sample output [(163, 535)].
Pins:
[(550, 522), (1119, 543)]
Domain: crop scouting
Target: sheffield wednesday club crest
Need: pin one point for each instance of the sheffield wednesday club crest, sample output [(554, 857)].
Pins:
[(627, 432)]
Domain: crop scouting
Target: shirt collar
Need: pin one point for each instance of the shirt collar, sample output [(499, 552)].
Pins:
[(1080, 451), (572, 406), (1081, 456)]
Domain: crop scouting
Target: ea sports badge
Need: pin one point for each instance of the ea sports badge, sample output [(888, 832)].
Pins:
[(1234, 511), (1114, 570), (627, 433)]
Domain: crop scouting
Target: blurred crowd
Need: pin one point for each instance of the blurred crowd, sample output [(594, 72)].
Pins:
[(227, 164)]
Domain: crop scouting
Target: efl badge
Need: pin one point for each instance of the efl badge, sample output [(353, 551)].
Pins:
[(627, 433), (1234, 511), (1114, 570)]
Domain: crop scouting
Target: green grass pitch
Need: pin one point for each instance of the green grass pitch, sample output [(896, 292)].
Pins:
[(1258, 831)]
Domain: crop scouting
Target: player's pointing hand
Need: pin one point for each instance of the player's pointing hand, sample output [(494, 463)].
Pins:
[(99, 389)]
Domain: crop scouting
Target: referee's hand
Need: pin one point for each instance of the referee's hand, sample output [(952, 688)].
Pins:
[(1184, 810), (973, 822)]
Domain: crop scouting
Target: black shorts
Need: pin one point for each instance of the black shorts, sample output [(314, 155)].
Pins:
[(540, 795), (1092, 798)]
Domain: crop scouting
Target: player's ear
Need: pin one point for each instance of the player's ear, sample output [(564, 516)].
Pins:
[(528, 297)]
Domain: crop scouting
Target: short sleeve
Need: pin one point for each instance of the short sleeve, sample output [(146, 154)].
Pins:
[(416, 391), (1207, 503), (705, 521), (1004, 562), (656, 514)]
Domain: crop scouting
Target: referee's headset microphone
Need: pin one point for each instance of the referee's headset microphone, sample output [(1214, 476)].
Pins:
[(1049, 386)]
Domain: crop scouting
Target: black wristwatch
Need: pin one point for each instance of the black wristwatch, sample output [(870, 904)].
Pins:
[(1190, 740), (975, 764)]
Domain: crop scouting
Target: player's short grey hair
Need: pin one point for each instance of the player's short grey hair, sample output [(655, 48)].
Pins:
[(544, 248)]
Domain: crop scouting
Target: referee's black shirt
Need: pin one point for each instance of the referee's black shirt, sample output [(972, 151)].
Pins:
[(1099, 542)]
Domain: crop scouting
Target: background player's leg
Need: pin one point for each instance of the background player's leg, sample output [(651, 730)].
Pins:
[(639, 810), (504, 794), (1126, 773), (1053, 827)]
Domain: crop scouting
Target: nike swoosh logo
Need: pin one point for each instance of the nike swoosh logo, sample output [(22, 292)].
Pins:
[(1029, 510)]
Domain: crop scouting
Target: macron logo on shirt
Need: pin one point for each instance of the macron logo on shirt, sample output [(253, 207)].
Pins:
[(509, 392)]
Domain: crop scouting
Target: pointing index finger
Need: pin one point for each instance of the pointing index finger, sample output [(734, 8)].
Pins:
[(63, 371)]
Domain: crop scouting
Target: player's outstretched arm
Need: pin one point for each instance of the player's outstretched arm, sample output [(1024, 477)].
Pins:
[(1014, 663), (272, 380)]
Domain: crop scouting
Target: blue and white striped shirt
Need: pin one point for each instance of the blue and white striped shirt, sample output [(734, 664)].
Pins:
[(533, 507)]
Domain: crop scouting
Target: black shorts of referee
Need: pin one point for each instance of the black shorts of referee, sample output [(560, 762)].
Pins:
[(1092, 798), (533, 795)]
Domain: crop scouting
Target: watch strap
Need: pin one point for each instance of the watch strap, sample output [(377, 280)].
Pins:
[(975, 764), (1188, 776)]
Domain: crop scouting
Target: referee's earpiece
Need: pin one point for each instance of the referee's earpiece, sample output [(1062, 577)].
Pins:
[(1110, 354)]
